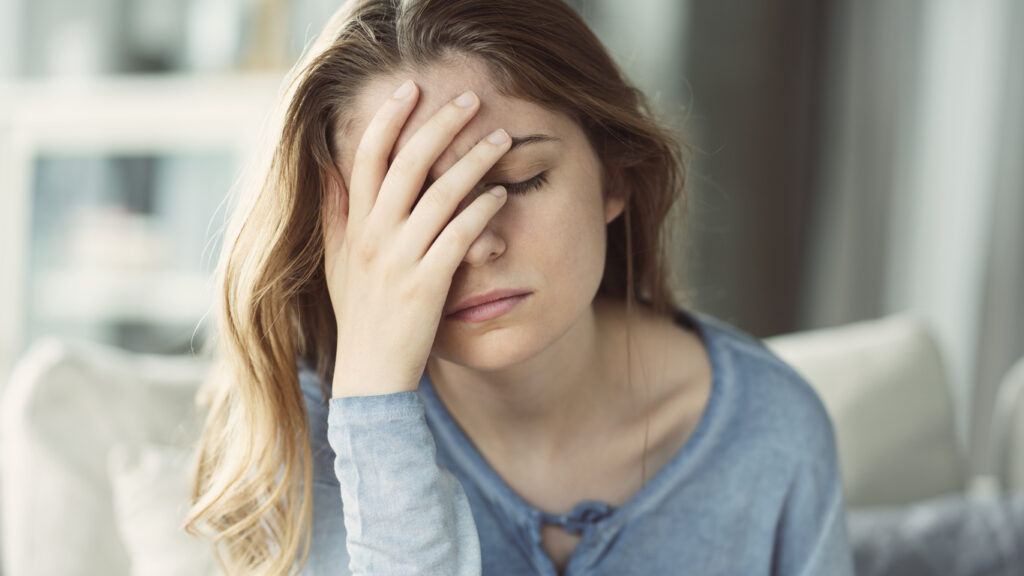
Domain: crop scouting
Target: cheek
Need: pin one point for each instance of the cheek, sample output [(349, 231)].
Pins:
[(563, 237)]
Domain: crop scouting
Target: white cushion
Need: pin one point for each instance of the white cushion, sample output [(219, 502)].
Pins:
[(885, 388), (65, 407), (150, 484)]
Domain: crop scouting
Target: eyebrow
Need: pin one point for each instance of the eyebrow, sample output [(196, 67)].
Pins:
[(531, 139)]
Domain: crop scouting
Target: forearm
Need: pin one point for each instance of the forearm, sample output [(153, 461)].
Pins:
[(403, 513)]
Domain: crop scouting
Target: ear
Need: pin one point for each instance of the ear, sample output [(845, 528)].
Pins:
[(614, 197)]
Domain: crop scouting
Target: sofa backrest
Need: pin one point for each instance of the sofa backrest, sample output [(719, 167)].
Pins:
[(885, 387)]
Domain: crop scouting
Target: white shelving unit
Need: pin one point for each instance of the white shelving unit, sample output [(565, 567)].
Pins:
[(129, 116), (159, 297)]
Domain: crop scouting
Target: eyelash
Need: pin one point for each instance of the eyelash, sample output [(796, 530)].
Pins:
[(519, 188)]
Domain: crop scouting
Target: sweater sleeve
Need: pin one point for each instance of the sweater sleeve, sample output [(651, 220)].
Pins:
[(812, 535), (403, 513)]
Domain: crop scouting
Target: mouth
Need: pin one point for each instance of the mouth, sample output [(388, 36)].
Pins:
[(484, 299), (489, 309)]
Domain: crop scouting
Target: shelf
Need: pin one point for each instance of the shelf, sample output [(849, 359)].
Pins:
[(108, 116), (104, 296), (138, 113)]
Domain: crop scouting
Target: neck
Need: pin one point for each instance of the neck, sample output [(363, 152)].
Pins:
[(546, 405)]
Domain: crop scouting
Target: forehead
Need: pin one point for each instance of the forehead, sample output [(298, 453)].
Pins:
[(438, 84)]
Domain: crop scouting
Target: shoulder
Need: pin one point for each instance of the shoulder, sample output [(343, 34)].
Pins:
[(767, 396)]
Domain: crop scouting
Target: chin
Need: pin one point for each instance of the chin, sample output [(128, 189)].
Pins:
[(494, 350)]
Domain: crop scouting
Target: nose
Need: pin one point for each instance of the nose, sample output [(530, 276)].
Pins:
[(489, 245)]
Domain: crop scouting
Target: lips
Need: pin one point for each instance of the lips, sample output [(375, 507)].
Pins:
[(485, 298)]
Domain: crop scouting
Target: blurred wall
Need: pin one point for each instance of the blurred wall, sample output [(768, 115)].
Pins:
[(755, 70), (9, 39)]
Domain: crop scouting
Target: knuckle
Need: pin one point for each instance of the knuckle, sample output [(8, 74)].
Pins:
[(366, 153), (474, 163), (372, 146), (385, 118), (453, 118), (402, 164), (478, 161), (369, 149), (489, 147), (459, 236), (435, 200), (408, 291), (483, 160), (363, 251), (449, 118)]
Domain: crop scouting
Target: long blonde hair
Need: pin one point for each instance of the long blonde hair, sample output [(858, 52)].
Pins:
[(251, 488)]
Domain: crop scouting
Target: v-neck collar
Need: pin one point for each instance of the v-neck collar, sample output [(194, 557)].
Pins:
[(597, 520)]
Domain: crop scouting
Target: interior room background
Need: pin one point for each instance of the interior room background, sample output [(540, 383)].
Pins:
[(850, 159)]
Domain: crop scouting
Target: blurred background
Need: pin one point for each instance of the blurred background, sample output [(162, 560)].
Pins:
[(850, 159)]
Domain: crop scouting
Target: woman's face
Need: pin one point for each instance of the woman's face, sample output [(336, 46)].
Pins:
[(549, 241)]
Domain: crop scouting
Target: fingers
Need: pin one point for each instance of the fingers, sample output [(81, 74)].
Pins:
[(371, 158), (335, 222), (335, 211), (408, 171), (448, 251), (438, 203)]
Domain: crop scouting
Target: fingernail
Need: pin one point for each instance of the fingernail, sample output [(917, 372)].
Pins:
[(498, 137), (403, 91), (498, 191), (465, 100)]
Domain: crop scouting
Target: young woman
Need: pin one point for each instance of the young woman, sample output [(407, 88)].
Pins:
[(448, 340)]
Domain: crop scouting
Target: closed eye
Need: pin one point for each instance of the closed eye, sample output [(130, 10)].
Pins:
[(526, 185)]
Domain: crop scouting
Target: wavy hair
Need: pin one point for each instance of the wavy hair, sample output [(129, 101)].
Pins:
[(251, 485)]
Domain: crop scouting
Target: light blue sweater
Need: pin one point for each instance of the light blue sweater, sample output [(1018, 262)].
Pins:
[(755, 490)]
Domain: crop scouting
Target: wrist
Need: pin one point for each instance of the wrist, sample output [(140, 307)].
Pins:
[(355, 382)]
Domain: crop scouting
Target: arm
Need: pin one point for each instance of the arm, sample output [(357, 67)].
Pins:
[(389, 261), (811, 537), (344, 437), (403, 514)]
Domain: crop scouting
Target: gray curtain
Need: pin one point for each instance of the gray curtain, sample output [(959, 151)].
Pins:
[(754, 72), (1001, 318), (919, 204)]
